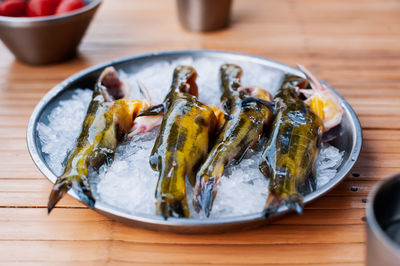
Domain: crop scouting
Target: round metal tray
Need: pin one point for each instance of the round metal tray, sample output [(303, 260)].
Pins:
[(348, 140)]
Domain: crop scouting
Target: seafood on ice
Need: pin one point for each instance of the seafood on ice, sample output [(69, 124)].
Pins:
[(290, 153), (109, 118), (248, 111), (197, 142), (182, 143)]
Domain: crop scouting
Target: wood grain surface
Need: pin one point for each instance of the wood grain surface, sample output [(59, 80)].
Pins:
[(353, 45)]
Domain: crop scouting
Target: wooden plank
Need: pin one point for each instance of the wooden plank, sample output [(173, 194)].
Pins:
[(97, 251), (331, 201), (237, 255), (19, 225), (310, 217), (325, 217), (30, 192), (117, 262), (53, 251), (56, 263), (381, 135), (34, 215), (48, 230), (371, 173), (270, 234), (351, 188)]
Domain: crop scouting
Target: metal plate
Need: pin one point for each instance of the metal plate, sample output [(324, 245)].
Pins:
[(349, 139)]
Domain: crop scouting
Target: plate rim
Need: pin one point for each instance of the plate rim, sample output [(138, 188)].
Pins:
[(159, 223)]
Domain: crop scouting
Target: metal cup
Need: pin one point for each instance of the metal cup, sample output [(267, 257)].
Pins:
[(49, 39), (204, 15), (383, 229)]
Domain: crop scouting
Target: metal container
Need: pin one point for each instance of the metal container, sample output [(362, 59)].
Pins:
[(204, 15), (50, 39), (383, 229), (349, 140)]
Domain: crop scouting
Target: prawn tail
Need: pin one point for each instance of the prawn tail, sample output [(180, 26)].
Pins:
[(63, 185), (293, 202), (204, 195)]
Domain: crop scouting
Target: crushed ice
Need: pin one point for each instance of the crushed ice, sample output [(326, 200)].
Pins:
[(65, 122), (129, 182)]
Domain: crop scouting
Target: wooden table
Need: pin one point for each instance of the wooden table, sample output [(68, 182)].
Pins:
[(354, 45)]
